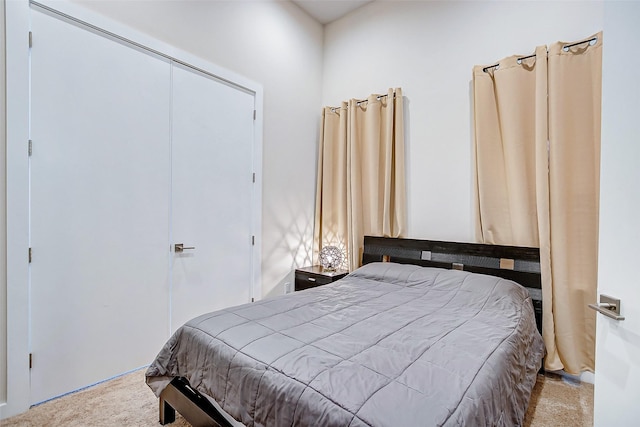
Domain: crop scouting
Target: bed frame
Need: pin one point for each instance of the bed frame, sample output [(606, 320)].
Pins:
[(520, 264), (196, 408)]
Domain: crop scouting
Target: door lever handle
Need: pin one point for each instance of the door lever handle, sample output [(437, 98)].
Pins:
[(180, 247), (608, 306)]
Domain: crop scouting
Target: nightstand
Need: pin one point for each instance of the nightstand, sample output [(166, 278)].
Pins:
[(310, 277)]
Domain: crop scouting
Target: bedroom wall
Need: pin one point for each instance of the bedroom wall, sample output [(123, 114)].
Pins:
[(279, 46), (429, 49)]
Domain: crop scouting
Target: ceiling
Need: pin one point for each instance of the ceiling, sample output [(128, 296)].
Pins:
[(326, 11)]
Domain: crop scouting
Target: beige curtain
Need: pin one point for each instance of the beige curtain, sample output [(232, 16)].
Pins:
[(361, 174), (537, 145)]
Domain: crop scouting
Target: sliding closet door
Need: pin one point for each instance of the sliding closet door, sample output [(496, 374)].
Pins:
[(212, 137), (100, 179)]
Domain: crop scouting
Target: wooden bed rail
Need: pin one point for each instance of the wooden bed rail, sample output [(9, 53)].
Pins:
[(192, 405)]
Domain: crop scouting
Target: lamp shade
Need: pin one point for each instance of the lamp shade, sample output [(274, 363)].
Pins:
[(331, 257)]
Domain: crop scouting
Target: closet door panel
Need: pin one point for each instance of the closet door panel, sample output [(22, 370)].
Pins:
[(212, 137), (100, 180)]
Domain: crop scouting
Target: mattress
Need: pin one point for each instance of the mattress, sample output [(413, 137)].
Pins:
[(388, 345)]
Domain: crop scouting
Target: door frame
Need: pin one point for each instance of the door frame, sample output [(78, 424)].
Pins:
[(17, 98)]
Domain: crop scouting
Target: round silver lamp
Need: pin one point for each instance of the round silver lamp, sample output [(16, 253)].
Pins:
[(331, 257)]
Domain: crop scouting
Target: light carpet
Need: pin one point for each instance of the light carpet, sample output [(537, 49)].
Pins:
[(127, 401)]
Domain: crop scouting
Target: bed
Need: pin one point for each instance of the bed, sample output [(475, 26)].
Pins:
[(424, 333)]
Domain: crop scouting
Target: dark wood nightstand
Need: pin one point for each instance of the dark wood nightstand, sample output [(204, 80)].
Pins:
[(310, 277), (536, 300)]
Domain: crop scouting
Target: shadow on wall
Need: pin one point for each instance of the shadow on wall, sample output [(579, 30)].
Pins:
[(292, 241), (291, 245)]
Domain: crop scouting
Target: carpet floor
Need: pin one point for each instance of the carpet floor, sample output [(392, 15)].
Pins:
[(127, 401)]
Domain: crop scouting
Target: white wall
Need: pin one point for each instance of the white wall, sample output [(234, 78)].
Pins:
[(429, 48), (279, 46)]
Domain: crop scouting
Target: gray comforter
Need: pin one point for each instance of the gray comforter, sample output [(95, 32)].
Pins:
[(388, 345)]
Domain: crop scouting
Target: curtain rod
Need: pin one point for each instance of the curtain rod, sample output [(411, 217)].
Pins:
[(591, 42), (496, 66), (519, 60), (378, 97)]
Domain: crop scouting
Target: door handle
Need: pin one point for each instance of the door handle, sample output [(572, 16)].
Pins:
[(608, 306), (180, 247)]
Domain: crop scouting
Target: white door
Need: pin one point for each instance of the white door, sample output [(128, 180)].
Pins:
[(212, 185), (100, 179), (617, 377)]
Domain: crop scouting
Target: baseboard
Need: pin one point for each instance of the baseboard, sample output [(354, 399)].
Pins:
[(584, 377)]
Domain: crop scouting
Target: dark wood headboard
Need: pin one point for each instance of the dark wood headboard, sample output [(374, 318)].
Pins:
[(517, 263)]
